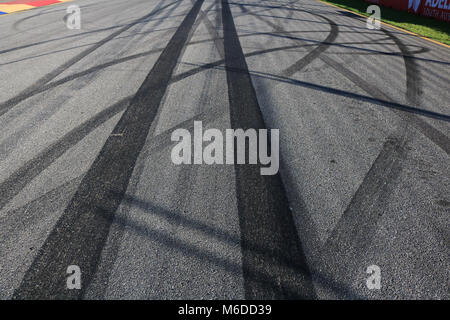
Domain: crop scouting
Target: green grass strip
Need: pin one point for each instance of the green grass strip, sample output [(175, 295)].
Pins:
[(427, 27)]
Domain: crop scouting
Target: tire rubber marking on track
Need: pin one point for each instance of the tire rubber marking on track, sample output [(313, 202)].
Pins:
[(20, 178), (36, 87), (280, 270), (81, 232), (312, 55)]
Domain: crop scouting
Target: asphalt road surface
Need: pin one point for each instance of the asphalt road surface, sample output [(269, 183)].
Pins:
[(86, 176)]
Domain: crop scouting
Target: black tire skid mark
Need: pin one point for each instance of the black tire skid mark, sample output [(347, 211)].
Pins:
[(387, 167), (30, 91), (32, 168), (140, 26), (79, 235), (57, 39), (339, 92), (162, 19), (20, 178), (264, 214), (356, 229), (44, 159), (51, 85), (313, 54), (258, 15), (246, 12), (174, 79), (41, 13), (433, 134), (70, 36), (124, 59), (363, 50), (71, 77), (212, 30), (380, 102), (413, 80), (25, 216), (164, 143), (413, 92), (137, 35), (319, 276), (99, 284)]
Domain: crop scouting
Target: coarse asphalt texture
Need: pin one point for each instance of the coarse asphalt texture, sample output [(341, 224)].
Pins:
[(86, 179)]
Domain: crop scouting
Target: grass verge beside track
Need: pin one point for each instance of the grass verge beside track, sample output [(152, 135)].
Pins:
[(426, 27)]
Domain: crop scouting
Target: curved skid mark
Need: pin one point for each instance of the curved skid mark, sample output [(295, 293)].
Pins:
[(32, 168), (9, 104), (91, 210), (413, 80), (300, 64)]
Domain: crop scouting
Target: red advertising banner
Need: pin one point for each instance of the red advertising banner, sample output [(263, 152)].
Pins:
[(437, 9), (396, 4)]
